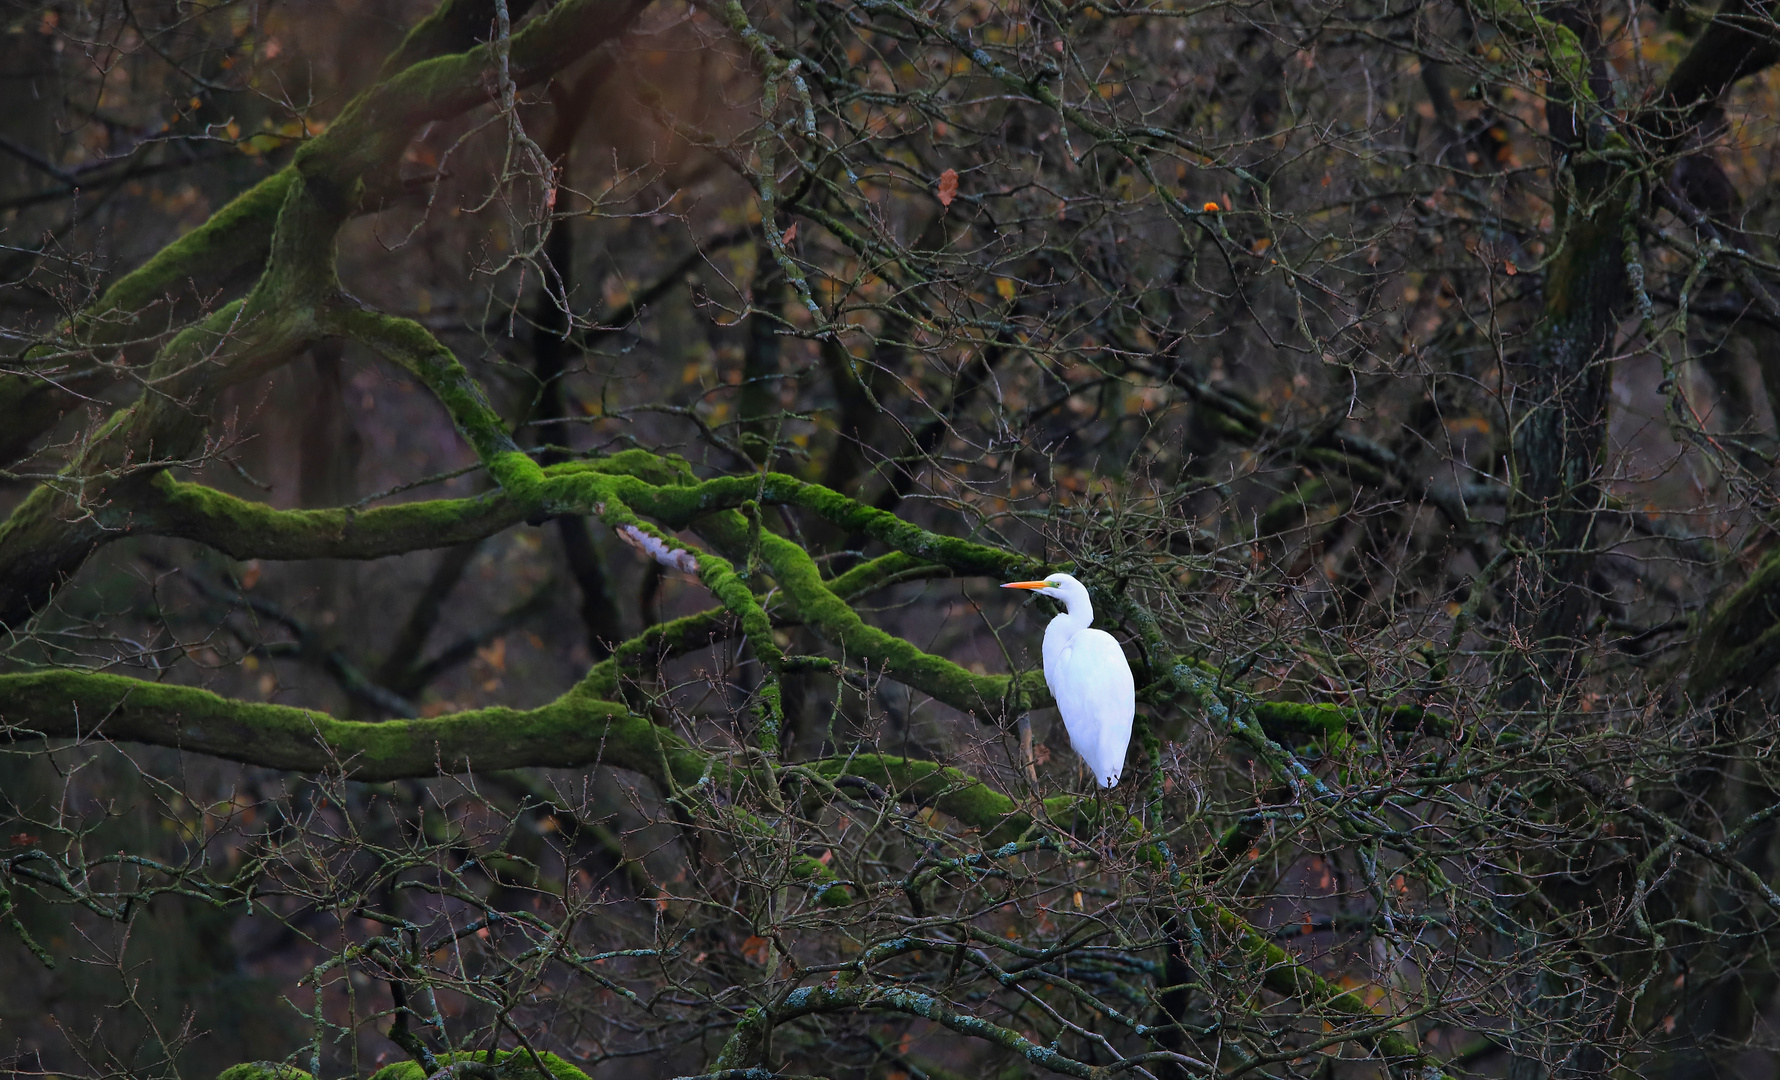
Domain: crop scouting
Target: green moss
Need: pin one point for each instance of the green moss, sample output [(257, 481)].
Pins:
[(1325, 719), (407, 343), (989, 697), (662, 640), (1569, 61), (453, 26), (881, 572), (741, 1049), (262, 1070), (1344, 465), (376, 125), (302, 208), (508, 1065), (1298, 509), (679, 636), (680, 508), (769, 714), (244, 529), (519, 476), (1283, 974), (720, 577), (808, 869), (659, 486), (953, 792), (662, 470), (892, 531), (575, 730), (711, 504), (235, 237), (301, 271), (231, 245)]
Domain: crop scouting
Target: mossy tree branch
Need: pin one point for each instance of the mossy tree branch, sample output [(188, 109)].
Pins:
[(619, 489), (295, 302), (662, 488), (1737, 641), (575, 731), (230, 245), (245, 529)]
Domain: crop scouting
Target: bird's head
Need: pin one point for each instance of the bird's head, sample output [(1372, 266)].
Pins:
[(1059, 586)]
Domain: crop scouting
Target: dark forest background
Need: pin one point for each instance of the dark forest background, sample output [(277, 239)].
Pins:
[(503, 504)]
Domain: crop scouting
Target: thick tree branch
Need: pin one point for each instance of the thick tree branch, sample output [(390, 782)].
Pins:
[(574, 730), (296, 301), (230, 244)]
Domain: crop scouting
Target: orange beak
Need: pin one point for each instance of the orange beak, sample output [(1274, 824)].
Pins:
[(1027, 585)]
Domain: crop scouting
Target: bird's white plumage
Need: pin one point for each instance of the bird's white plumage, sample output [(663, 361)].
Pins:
[(1089, 678)]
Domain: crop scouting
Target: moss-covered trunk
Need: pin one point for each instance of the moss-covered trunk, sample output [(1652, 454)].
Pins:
[(1559, 406)]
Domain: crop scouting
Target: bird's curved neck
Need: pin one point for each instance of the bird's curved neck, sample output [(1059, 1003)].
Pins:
[(1078, 616)]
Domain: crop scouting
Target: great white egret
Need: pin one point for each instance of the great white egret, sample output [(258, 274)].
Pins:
[(1088, 675)]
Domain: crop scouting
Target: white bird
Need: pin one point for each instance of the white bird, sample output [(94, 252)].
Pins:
[(1090, 678)]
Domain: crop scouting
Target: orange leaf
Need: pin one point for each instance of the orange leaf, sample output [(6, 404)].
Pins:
[(1509, 268), (494, 654), (948, 187), (790, 234), (756, 949)]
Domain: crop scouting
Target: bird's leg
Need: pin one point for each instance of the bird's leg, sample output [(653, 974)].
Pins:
[(1100, 807)]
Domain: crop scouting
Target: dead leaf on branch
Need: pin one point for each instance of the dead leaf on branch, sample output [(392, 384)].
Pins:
[(948, 187)]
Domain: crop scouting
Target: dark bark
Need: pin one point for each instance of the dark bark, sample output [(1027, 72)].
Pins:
[(1739, 41), (907, 469), (404, 656), (858, 391), (551, 349), (1560, 396), (758, 407)]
